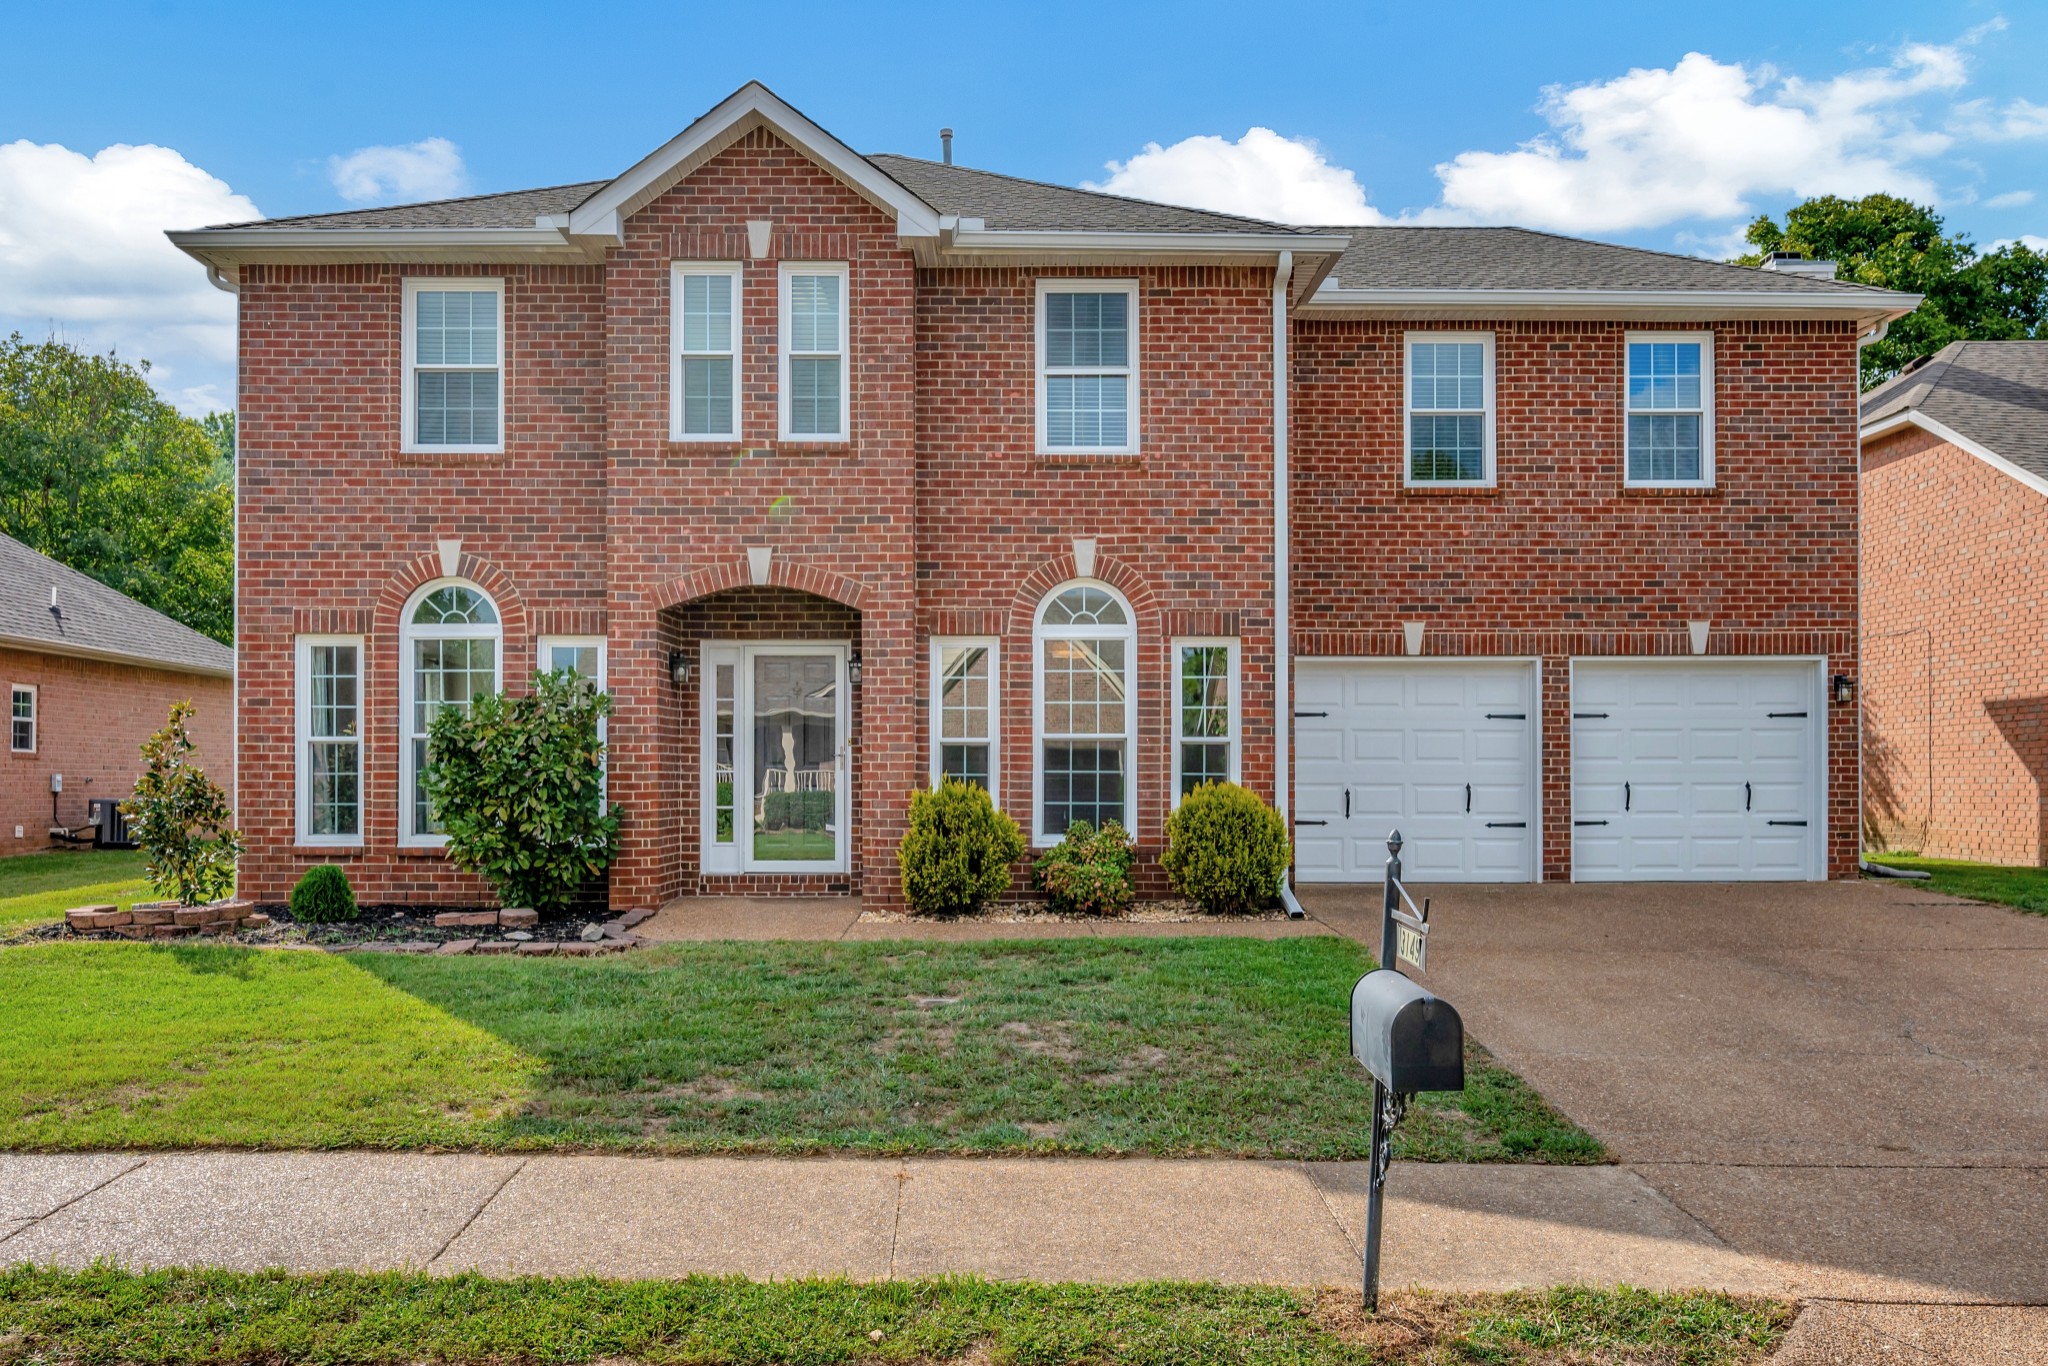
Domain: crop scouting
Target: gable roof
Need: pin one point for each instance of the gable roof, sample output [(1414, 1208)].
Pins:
[(95, 622), (1011, 204), (1992, 394)]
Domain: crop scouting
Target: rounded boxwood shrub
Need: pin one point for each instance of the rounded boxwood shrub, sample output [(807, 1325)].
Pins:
[(1226, 850), (1088, 872), (323, 896), (957, 853)]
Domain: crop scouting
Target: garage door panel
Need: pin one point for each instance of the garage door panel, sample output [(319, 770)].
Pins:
[(1655, 799), (1509, 748)]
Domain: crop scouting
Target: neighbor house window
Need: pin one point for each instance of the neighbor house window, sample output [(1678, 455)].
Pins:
[(1205, 714), (22, 713), (1670, 408), (705, 327), (964, 716), (1087, 367), (450, 657), (1450, 408), (454, 365), (583, 656), (1087, 710), (814, 390), (330, 739)]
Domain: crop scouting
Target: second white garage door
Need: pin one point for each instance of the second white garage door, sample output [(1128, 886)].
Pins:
[(1696, 771), (1445, 752)]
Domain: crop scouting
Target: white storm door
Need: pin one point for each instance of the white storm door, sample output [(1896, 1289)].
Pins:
[(773, 735)]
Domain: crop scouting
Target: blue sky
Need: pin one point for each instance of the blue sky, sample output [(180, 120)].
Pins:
[(1592, 119)]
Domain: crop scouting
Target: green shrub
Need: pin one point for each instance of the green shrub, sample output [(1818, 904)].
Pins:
[(796, 810), (957, 853), (323, 896), (515, 784), (180, 817), (1089, 871), (1226, 850)]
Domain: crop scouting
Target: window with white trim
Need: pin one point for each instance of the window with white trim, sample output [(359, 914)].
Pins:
[(449, 656), (1205, 714), (814, 314), (330, 740), (1670, 413), (454, 366), (21, 712), (1087, 367), (583, 656), (1086, 713), (1450, 408), (704, 328), (966, 740)]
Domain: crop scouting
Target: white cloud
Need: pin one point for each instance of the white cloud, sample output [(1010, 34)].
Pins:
[(83, 254), (429, 169), (1261, 175), (2011, 199), (2031, 241), (1984, 121)]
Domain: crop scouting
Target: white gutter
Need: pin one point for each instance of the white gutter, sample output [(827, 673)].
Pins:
[(37, 645), (1612, 301), (1283, 708), (220, 281)]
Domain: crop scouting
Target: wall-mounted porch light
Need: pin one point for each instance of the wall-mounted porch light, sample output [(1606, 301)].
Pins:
[(1844, 689), (680, 668), (853, 670)]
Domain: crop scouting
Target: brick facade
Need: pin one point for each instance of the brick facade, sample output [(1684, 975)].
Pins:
[(91, 719), (1955, 684)]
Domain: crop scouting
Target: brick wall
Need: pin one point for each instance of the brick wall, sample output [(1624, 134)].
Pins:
[(1560, 559), (1955, 681), (91, 719)]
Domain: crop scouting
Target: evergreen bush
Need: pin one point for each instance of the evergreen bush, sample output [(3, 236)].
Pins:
[(1226, 850), (956, 855), (323, 897), (1088, 872)]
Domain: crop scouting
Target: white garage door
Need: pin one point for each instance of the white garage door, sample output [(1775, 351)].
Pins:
[(1445, 753), (1696, 771)]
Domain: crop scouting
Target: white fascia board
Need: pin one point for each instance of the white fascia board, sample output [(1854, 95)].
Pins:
[(985, 241), (31, 645), (1335, 301), (240, 246), (1914, 418), (599, 215)]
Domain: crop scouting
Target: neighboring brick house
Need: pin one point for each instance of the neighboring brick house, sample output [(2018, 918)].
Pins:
[(90, 674), (1955, 605), (843, 471)]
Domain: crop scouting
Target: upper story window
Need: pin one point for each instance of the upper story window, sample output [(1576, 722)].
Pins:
[(965, 717), (1450, 408), (704, 383), (449, 657), (454, 366), (814, 332), (329, 769), (22, 714), (1087, 710), (1670, 416), (1088, 367)]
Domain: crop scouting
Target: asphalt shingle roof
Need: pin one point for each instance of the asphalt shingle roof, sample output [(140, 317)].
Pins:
[(1006, 203), (514, 209), (95, 619), (1993, 392)]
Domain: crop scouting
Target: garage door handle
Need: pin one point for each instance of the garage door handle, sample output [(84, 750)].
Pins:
[(1785, 822), (1311, 713), (1589, 822), (1507, 825), (1468, 799), (1747, 796), (1628, 796), (1303, 822), (1589, 716), (1507, 716), (1781, 715), (1347, 803)]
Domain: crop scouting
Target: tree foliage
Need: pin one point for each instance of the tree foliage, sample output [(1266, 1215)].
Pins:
[(181, 819), (98, 472), (1895, 244)]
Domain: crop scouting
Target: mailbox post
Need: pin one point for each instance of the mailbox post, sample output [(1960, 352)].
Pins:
[(1408, 1038)]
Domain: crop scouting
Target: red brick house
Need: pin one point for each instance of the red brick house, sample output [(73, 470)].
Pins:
[(845, 471), (1955, 624), (90, 674)]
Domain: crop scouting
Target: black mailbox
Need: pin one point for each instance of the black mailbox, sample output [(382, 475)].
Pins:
[(1408, 1038)]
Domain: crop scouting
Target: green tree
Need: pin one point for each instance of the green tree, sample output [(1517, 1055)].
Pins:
[(180, 817), (1896, 244), (100, 473)]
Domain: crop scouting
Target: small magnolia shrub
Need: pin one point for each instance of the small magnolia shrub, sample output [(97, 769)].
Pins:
[(956, 855), (1089, 871), (180, 817), (514, 783), (323, 896), (1226, 850)]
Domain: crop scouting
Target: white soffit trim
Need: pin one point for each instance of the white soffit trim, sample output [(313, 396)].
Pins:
[(33, 645), (1674, 304), (1914, 418), (752, 106), (228, 248)]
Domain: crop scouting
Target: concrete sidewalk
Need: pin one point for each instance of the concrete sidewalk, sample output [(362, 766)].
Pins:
[(1289, 1223)]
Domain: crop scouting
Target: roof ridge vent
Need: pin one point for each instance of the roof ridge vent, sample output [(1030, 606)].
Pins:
[(1795, 263)]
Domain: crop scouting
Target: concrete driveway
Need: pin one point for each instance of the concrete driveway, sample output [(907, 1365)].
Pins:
[(1845, 1078)]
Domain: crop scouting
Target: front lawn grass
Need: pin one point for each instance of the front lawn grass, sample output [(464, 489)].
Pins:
[(1171, 1046), (201, 1317), (2025, 888), (35, 888)]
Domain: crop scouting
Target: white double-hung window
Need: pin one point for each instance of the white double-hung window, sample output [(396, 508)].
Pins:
[(965, 719), (21, 714), (1205, 716), (330, 740), (1087, 367), (814, 352), (1670, 416), (704, 327), (1450, 409), (454, 366)]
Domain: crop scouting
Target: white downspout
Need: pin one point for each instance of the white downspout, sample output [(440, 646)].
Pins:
[(1283, 709)]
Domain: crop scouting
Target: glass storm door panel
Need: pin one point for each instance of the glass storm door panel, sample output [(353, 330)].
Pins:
[(793, 733)]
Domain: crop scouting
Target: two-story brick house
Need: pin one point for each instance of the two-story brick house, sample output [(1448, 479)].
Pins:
[(843, 472)]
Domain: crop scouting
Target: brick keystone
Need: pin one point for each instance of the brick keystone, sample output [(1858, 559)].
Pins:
[(455, 920), (519, 918), (457, 946)]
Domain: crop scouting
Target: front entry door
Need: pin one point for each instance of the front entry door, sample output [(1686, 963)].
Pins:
[(773, 738)]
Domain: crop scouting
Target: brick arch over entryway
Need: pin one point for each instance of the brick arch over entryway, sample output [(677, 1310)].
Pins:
[(1108, 569), (426, 567), (782, 573)]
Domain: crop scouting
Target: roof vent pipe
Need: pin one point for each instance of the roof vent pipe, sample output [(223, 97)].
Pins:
[(946, 145)]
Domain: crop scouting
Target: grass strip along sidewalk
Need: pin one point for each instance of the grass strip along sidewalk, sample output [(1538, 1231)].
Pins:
[(195, 1318), (35, 888), (2023, 888), (1168, 1046)]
